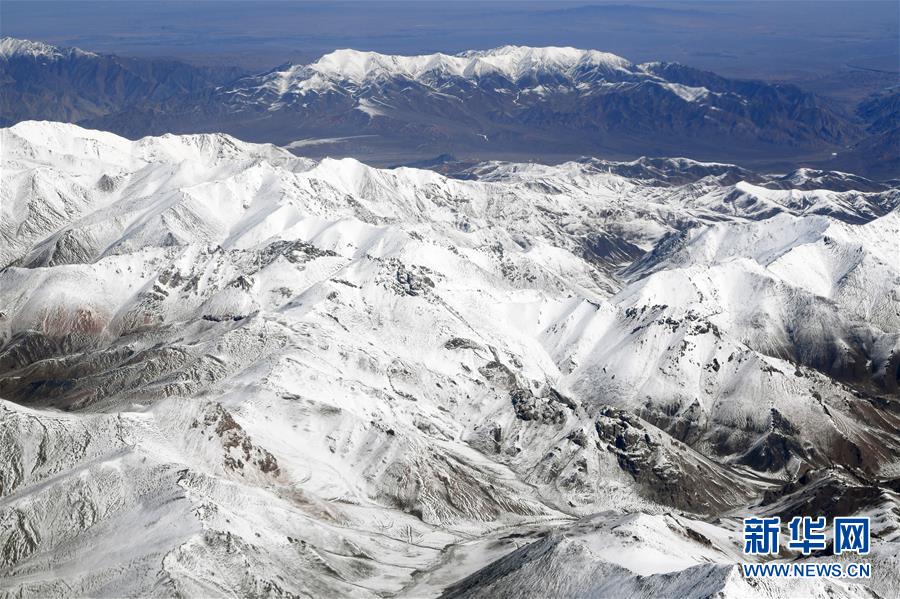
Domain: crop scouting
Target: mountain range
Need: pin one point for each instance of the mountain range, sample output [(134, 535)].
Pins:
[(451, 111), (45, 82), (227, 370)]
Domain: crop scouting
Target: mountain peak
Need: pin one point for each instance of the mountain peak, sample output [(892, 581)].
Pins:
[(10, 47), (511, 62)]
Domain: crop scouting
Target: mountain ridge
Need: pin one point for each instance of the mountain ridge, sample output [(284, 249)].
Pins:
[(514, 103), (292, 376)]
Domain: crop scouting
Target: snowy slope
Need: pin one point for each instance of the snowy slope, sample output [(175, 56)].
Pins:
[(509, 62), (290, 377)]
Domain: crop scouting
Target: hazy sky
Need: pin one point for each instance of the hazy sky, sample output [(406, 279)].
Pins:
[(767, 39)]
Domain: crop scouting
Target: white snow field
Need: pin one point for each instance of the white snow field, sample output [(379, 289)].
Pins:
[(230, 372)]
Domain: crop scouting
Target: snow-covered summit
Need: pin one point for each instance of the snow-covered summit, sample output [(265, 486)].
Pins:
[(11, 47), (348, 66), (511, 62)]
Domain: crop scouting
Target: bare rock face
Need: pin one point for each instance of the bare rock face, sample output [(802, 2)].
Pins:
[(551, 409), (666, 469), (226, 370), (238, 449)]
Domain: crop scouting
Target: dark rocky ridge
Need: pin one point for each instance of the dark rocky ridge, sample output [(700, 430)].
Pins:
[(74, 86)]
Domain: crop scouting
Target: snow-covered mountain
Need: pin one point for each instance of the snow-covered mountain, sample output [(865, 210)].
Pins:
[(513, 99), (12, 48), (513, 63), (226, 370), (517, 103)]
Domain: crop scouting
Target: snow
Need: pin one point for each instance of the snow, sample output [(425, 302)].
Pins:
[(248, 371), (370, 108), (341, 68), (353, 71), (511, 62), (687, 93), (11, 47)]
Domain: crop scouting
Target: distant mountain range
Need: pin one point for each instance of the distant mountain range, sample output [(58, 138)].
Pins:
[(40, 81), (543, 104)]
